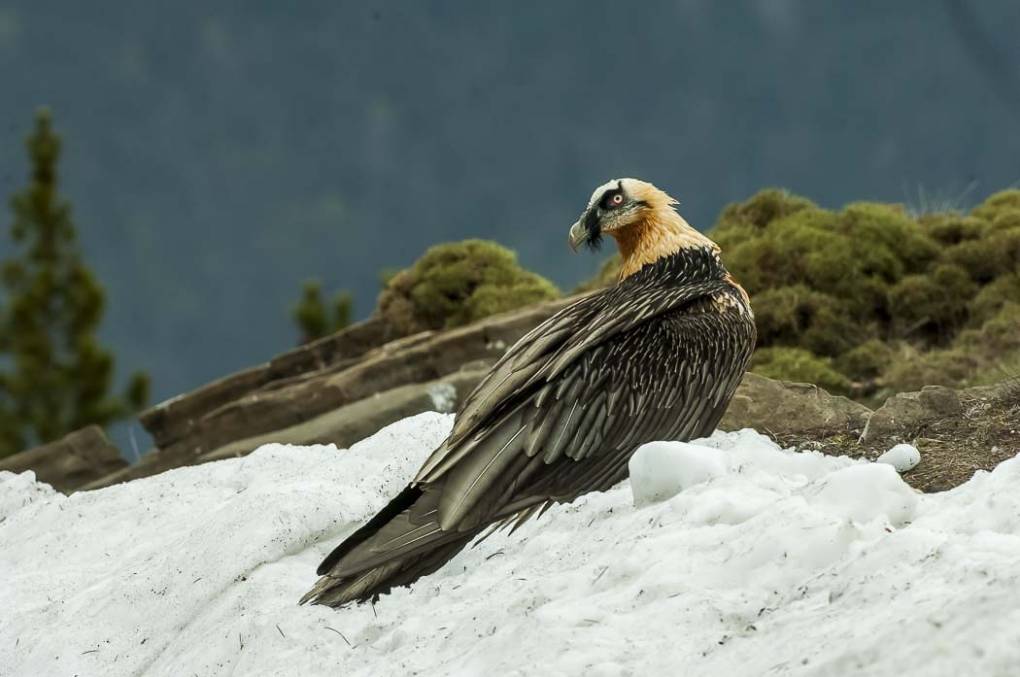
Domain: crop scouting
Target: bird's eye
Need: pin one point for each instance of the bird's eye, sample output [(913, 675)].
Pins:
[(616, 200)]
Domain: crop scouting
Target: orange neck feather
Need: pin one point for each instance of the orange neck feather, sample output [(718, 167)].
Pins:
[(660, 234)]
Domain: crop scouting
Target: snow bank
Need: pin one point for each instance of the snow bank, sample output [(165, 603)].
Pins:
[(744, 560)]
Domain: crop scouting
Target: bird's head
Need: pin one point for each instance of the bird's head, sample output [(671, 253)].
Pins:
[(640, 217)]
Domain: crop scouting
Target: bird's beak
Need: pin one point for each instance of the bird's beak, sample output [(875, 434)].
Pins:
[(578, 235)]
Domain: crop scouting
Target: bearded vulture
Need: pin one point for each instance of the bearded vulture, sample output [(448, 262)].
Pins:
[(656, 356)]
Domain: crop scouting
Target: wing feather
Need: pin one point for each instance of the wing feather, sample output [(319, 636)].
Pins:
[(563, 409)]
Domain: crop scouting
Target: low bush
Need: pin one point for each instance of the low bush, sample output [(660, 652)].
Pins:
[(458, 283)]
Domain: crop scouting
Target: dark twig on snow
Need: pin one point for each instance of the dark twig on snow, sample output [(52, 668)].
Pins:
[(341, 635)]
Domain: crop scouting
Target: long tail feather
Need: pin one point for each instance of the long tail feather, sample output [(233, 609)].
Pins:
[(396, 547)]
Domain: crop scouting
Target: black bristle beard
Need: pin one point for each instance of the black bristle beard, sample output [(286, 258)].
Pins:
[(593, 228)]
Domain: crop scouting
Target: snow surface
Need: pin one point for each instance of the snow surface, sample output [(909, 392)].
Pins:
[(766, 562), (903, 457)]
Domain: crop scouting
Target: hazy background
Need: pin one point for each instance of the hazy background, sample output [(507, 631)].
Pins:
[(217, 154)]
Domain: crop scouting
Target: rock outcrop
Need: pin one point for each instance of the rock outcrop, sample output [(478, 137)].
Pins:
[(72, 461), (342, 426), (178, 417), (904, 415), (781, 409)]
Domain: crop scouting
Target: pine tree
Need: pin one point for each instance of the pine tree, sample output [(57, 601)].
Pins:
[(312, 317), (55, 376)]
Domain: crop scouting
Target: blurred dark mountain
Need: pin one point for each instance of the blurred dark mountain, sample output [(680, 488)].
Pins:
[(218, 154)]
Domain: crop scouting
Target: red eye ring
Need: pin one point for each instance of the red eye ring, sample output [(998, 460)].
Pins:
[(617, 199)]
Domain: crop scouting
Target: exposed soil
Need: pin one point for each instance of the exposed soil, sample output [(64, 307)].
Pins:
[(953, 448)]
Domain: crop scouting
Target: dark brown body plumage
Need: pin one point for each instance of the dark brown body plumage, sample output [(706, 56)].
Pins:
[(655, 357)]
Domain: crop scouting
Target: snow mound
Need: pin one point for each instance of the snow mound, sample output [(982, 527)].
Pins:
[(744, 559), (18, 491), (860, 492), (903, 457), (661, 470)]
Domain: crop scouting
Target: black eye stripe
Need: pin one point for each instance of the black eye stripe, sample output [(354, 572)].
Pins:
[(607, 198)]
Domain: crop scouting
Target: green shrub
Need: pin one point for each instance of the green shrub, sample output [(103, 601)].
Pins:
[(995, 204), (782, 314), (898, 243), (797, 315), (799, 365), (984, 354), (912, 370), (1007, 219), (996, 343), (763, 208), (934, 305), (783, 253), (950, 229), (998, 335), (853, 255), (983, 259), (994, 296), (458, 283), (866, 361), (852, 285)]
